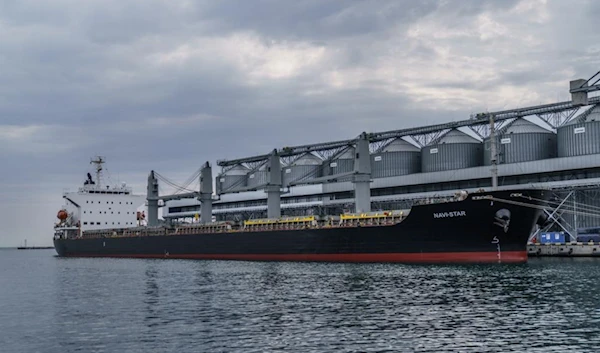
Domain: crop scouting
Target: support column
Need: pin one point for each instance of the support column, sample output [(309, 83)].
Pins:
[(494, 153), (362, 175), (152, 198), (273, 188), (206, 190), (575, 220)]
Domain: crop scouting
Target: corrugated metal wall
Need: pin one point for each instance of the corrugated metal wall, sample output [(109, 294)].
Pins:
[(232, 179), (451, 156), (343, 162), (300, 172), (515, 148), (337, 166), (387, 164), (230, 182), (257, 178), (579, 139)]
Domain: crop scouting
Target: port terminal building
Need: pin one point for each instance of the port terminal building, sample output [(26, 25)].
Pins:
[(553, 146)]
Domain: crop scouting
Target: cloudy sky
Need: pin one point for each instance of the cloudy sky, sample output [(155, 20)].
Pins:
[(167, 85)]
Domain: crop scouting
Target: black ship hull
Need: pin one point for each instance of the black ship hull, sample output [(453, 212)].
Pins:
[(485, 227)]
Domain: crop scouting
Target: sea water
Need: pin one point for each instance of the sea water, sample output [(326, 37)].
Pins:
[(52, 304)]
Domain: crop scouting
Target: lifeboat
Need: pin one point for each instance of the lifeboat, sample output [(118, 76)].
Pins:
[(62, 215)]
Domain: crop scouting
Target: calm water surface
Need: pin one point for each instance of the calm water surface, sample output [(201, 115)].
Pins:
[(51, 304)]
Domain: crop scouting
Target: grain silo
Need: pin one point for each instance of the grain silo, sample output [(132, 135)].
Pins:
[(232, 179), (258, 177), (343, 162), (580, 136), (454, 150), (522, 141), (397, 158), (306, 167)]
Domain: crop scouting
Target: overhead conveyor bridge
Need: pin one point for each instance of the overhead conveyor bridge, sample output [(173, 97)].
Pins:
[(480, 125)]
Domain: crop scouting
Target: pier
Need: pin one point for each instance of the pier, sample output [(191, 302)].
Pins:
[(571, 249)]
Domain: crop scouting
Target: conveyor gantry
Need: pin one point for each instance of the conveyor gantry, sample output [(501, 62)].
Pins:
[(478, 119), (554, 114)]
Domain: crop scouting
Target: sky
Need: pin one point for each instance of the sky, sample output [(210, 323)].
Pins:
[(167, 85)]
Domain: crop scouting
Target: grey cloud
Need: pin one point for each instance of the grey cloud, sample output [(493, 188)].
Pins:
[(474, 7), (89, 74), (314, 19)]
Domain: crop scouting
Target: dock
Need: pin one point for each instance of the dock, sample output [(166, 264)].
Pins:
[(572, 249)]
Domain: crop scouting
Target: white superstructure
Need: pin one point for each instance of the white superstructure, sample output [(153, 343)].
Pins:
[(99, 206)]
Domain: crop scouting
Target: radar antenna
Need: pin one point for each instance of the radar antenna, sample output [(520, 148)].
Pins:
[(98, 161)]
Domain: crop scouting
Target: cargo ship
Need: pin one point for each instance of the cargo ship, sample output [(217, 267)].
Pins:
[(484, 226)]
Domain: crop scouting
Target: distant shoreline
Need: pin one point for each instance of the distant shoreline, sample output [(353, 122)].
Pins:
[(34, 247), (25, 248)]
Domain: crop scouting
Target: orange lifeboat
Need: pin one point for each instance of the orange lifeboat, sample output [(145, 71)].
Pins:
[(62, 215)]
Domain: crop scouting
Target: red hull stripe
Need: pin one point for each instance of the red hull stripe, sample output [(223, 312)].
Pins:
[(508, 256)]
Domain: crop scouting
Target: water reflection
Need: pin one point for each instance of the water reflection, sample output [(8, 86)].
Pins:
[(109, 305), (151, 295)]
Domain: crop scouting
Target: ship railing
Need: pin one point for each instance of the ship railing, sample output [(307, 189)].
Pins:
[(95, 189), (372, 219), (156, 233), (133, 232), (119, 233), (204, 228), (287, 223), (459, 196), (94, 234)]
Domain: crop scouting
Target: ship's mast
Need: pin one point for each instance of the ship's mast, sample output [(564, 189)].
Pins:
[(493, 152), (98, 161)]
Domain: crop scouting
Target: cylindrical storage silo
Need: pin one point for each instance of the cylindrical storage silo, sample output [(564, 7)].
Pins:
[(397, 158), (455, 150), (306, 167), (581, 136), (342, 163), (258, 177), (522, 141), (232, 179)]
